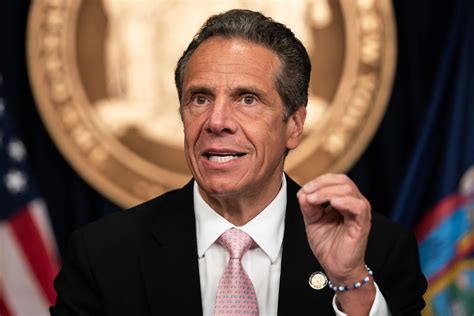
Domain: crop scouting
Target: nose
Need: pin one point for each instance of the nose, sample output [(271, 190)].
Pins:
[(221, 118)]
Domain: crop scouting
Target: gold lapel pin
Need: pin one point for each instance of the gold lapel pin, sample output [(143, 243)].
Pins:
[(318, 280)]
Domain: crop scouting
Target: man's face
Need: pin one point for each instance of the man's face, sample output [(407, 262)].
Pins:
[(235, 134)]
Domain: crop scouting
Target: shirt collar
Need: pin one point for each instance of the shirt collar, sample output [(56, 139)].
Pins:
[(266, 229)]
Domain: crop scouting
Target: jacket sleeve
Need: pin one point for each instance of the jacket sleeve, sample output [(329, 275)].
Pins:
[(400, 277), (77, 293)]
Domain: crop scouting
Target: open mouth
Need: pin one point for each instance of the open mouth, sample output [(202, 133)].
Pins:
[(222, 157)]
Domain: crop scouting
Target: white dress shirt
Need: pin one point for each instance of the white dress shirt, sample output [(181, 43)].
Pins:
[(262, 264)]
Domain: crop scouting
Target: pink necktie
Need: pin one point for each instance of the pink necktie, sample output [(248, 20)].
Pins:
[(235, 294)]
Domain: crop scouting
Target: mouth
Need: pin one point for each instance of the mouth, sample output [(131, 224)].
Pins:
[(222, 157)]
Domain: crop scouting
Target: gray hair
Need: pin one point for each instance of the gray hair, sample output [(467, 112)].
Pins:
[(292, 81)]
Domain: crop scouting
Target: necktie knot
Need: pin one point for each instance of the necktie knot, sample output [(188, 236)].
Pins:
[(236, 241)]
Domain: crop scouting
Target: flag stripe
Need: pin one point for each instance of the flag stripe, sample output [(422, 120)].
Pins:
[(4, 311), (41, 218), (39, 259), (21, 291)]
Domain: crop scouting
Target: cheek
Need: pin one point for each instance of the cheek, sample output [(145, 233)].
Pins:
[(279, 137), (192, 126), (190, 140), (272, 137)]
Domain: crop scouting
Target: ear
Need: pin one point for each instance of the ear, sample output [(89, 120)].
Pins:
[(295, 127)]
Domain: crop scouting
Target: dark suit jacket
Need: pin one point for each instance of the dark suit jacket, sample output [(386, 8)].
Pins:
[(143, 261)]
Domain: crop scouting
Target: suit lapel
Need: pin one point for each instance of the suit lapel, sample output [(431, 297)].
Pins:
[(169, 261), (170, 266), (298, 263)]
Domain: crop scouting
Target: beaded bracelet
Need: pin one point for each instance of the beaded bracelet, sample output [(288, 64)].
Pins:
[(343, 288)]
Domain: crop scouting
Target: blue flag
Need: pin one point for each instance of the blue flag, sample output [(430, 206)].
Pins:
[(437, 194)]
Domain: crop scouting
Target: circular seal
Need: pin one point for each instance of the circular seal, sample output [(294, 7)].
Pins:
[(318, 280), (102, 76)]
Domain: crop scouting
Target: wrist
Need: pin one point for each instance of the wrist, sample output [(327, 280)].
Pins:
[(348, 277), (356, 293), (357, 302), (353, 282)]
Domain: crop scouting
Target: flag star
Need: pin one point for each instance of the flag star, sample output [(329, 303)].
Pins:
[(16, 150), (15, 181)]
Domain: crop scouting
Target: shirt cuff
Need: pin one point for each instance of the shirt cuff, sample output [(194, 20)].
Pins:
[(379, 307)]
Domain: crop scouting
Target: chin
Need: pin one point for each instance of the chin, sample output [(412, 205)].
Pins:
[(220, 188)]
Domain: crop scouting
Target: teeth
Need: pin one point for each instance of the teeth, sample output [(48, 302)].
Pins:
[(221, 159)]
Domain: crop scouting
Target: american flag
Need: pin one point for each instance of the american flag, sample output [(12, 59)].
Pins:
[(28, 254)]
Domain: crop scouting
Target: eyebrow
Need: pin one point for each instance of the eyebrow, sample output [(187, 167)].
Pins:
[(237, 90), (244, 90), (199, 89)]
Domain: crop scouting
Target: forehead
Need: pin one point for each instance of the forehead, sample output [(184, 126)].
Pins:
[(223, 60)]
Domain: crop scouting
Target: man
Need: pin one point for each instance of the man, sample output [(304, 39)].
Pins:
[(242, 85)]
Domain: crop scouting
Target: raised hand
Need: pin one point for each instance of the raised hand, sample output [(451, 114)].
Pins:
[(337, 219)]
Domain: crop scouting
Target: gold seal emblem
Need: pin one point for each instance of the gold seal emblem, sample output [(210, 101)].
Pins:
[(318, 280), (102, 76)]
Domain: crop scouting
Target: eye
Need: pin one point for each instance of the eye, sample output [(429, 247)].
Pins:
[(248, 100), (200, 100)]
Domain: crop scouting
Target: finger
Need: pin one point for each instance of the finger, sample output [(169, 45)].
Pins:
[(325, 194), (326, 180), (352, 208), (310, 212)]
